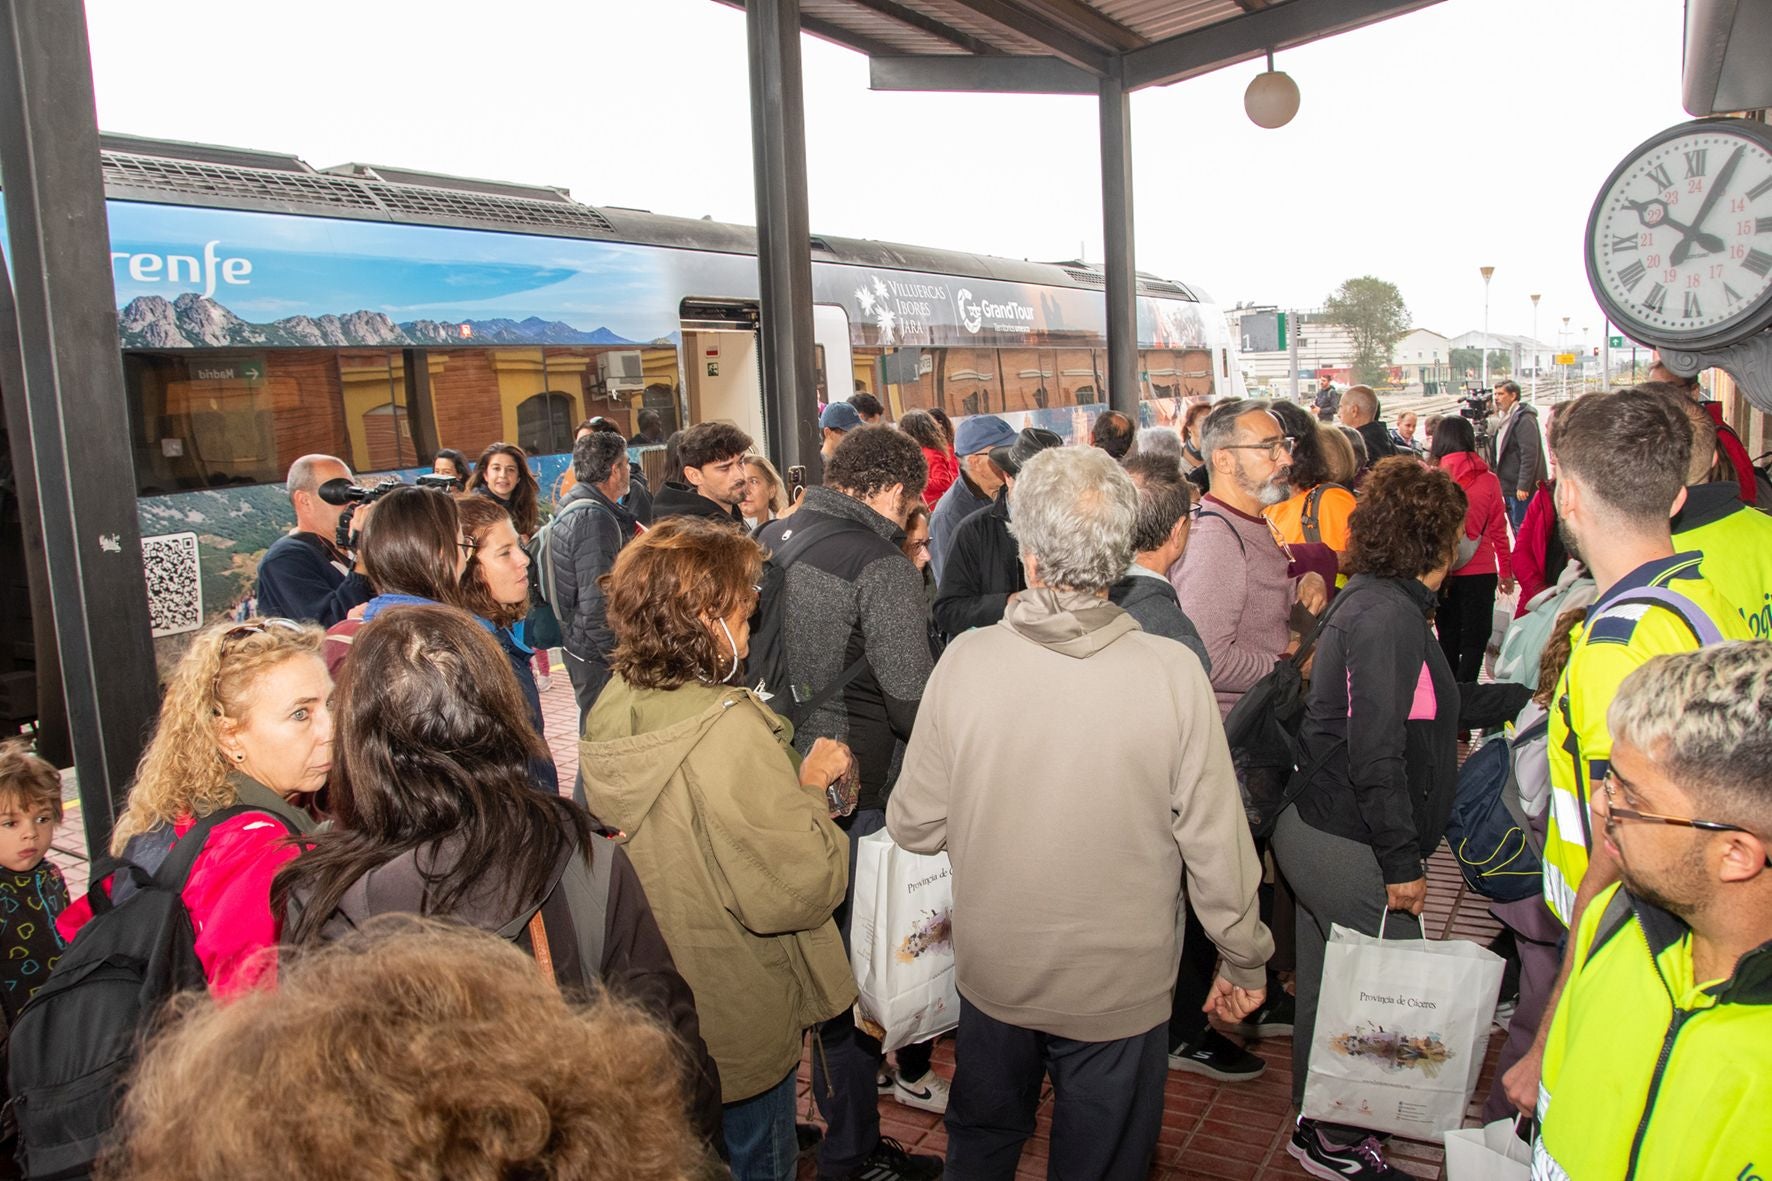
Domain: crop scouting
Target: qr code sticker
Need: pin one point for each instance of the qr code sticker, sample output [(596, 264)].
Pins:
[(175, 583)]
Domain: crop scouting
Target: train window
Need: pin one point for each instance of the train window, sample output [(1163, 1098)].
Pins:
[(545, 422), (373, 387)]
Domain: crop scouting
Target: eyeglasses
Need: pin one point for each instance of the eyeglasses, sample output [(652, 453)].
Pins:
[(924, 544), (1615, 813), (1273, 447), (468, 545)]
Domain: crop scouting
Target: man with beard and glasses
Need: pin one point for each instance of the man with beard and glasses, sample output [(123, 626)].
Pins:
[(1621, 458), (1659, 1060)]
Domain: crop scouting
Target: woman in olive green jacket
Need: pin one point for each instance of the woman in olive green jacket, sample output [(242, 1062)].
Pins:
[(731, 834)]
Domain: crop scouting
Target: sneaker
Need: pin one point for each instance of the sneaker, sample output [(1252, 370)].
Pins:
[(1504, 1014), (1216, 1056), (890, 1162), (883, 1081), (1273, 1019), (1319, 1157), (929, 1093)]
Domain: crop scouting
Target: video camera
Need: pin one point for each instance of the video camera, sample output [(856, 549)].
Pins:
[(342, 492), (1478, 406)]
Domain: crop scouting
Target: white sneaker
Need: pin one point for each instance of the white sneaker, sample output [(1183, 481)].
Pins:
[(929, 1093), (883, 1080)]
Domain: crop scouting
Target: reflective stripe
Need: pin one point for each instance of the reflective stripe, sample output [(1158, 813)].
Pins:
[(1544, 1165), (1559, 895), (1566, 807)]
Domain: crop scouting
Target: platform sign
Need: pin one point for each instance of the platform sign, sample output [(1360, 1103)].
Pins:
[(1616, 342), (1564, 359)]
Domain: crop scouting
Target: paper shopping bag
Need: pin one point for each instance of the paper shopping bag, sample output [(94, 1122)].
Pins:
[(1402, 1026), (902, 943), (1489, 1153)]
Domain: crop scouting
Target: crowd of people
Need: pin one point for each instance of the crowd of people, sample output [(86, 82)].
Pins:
[(439, 960)]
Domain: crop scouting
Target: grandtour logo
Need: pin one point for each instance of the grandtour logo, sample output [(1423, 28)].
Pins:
[(1013, 316), (186, 268)]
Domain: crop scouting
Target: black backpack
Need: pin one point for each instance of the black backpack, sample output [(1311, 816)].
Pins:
[(74, 1045), (766, 667), (1488, 831)]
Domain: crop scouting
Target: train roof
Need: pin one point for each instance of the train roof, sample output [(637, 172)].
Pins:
[(175, 173)]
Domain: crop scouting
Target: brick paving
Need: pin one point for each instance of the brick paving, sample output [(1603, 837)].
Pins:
[(1211, 1130)]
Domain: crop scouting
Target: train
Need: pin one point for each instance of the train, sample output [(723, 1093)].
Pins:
[(269, 309)]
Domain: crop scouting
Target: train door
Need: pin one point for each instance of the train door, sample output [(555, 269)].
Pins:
[(721, 356)]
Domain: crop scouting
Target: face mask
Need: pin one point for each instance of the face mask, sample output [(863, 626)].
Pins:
[(733, 672)]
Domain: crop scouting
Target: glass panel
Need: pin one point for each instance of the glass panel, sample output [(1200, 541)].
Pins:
[(1076, 377), (373, 385), (969, 381)]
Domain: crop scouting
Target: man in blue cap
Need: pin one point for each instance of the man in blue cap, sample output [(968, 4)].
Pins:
[(838, 419), (975, 489)]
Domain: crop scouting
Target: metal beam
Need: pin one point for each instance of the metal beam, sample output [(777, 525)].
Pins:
[(997, 75), (784, 258), (1077, 50), (1085, 22), (1244, 37), (924, 23), (74, 395), (52, 707), (1120, 264)]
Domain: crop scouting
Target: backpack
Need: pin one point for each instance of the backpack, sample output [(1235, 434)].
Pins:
[(74, 1045), (1497, 848), (1262, 727), (766, 667), (1310, 519), (1523, 644), (541, 627)]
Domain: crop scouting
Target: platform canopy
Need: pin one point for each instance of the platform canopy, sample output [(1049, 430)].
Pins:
[(1068, 46)]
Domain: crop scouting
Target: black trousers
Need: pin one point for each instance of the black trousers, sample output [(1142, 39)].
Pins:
[(1107, 1101), (1465, 618)]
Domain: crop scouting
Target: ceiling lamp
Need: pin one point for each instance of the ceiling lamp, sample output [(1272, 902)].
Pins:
[(1272, 98)]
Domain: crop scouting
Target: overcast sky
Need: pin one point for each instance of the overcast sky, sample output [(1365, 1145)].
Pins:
[(1475, 132)]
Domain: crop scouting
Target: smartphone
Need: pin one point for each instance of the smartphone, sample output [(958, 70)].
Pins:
[(796, 482)]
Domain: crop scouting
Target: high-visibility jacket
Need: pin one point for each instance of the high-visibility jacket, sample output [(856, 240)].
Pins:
[(1736, 542), (1619, 635), (1649, 1073)]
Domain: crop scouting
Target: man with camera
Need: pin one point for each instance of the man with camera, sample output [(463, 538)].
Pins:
[(305, 574), (1519, 451)]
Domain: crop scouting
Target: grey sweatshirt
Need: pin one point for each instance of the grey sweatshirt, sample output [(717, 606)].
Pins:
[(1069, 853), (1233, 583)]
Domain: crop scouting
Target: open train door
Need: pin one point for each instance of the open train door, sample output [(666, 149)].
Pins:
[(721, 355)]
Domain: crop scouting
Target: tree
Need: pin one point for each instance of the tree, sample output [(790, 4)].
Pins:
[(1374, 314)]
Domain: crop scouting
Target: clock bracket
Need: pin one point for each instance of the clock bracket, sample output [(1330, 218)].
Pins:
[(1748, 361)]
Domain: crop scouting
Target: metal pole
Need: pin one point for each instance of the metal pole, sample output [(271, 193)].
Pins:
[(1606, 352), (1537, 361), (1292, 350), (1488, 273), (74, 395), (784, 235), (1120, 268)]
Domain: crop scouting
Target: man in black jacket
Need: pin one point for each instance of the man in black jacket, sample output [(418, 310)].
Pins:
[(710, 479), (1519, 451), (854, 609), (984, 565), (1158, 539), (304, 575), (1360, 410), (586, 534)]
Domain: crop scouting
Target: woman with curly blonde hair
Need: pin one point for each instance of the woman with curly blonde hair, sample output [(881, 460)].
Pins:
[(244, 737), (410, 1050)]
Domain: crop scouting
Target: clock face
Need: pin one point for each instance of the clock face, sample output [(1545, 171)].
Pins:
[(1679, 248)]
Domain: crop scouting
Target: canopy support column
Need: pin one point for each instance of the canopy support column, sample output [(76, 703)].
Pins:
[(1118, 257)]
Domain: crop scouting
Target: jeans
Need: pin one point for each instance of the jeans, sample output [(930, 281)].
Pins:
[(846, 1061), (1516, 510), (1107, 1100), (760, 1134)]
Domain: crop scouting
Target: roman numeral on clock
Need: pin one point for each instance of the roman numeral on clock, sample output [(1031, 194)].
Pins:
[(1695, 163), (1760, 190), (1656, 300), (1734, 295), (1662, 177), (1692, 310), (1759, 262), (1762, 225), (1622, 243), (1632, 275)]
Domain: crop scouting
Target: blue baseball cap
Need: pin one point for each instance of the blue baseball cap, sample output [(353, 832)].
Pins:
[(981, 432), (839, 416)]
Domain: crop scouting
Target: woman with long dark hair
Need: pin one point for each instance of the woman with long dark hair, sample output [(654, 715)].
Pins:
[(452, 463), (412, 551), (434, 815), (1467, 605), (503, 476)]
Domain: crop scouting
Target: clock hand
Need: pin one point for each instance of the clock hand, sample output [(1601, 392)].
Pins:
[(1683, 247), (1711, 243)]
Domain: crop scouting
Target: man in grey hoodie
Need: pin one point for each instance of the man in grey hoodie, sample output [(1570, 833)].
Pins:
[(1068, 858)]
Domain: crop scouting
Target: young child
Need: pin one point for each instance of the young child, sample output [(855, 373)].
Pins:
[(32, 892)]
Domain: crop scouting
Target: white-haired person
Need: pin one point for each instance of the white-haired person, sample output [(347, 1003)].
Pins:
[(1023, 807), (1659, 1059)]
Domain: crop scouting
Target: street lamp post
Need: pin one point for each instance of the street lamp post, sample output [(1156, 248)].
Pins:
[(1536, 362), (1488, 273), (1563, 369)]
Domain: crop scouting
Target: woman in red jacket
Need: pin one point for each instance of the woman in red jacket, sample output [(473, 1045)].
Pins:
[(944, 469), (1466, 614)]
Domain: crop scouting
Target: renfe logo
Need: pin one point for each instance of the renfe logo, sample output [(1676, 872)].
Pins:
[(185, 268)]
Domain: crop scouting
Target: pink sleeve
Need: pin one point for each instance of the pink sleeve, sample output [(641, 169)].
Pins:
[(1498, 530), (1528, 556), (229, 897)]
